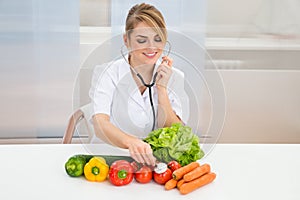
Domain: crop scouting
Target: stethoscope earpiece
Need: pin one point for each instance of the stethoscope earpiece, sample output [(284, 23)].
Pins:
[(169, 49)]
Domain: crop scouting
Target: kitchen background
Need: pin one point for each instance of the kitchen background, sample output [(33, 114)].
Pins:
[(255, 46)]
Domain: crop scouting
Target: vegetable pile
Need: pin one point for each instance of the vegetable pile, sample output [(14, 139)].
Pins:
[(177, 146), (177, 142), (122, 170)]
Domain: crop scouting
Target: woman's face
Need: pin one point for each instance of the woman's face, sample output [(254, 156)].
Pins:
[(145, 45)]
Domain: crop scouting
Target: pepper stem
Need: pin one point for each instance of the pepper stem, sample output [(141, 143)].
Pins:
[(71, 166), (95, 170), (122, 174)]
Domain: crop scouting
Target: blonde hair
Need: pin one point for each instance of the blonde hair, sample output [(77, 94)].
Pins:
[(150, 15)]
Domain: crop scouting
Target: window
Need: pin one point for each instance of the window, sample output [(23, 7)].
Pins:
[(39, 61)]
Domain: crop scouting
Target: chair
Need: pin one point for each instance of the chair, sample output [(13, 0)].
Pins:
[(84, 112), (80, 115), (96, 58)]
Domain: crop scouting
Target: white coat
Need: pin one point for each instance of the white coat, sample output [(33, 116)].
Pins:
[(115, 93)]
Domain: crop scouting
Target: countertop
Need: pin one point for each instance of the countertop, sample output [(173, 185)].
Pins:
[(244, 171)]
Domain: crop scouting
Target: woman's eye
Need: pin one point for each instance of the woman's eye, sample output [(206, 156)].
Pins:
[(141, 41), (157, 39)]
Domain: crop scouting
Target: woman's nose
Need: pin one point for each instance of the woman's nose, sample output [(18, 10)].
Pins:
[(152, 48), (150, 44)]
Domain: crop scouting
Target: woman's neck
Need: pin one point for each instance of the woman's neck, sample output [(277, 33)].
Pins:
[(146, 71)]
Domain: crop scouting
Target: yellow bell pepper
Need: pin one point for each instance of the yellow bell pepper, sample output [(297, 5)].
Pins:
[(96, 169)]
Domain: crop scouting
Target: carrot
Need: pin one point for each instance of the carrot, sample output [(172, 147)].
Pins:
[(197, 172), (180, 172), (180, 182), (197, 183), (170, 184)]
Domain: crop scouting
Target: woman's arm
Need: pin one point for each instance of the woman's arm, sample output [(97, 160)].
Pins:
[(165, 114), (105, 130)]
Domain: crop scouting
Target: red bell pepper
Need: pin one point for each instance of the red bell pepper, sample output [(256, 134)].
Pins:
[(121, 173)]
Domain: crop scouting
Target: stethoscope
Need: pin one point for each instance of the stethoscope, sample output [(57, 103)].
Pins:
[(149, 86)]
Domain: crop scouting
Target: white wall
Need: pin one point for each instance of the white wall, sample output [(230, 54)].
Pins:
[(235, 18), (263, 106)]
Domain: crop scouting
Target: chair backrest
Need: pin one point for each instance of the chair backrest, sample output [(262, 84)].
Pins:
[(82, 115)]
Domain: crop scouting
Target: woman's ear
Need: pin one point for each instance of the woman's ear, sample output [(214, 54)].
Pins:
[(126, 42), (125, 39)]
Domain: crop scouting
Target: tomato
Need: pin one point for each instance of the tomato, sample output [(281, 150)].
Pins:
[(173, 165), (143, 175), (163, 177)]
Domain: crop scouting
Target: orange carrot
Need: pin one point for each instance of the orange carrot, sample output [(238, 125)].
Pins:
[(197, 172), (170, 184), (180, 172), (197, 183), (180, 182)]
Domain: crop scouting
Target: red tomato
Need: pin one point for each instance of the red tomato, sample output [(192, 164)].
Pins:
[(173, 165), (163, 177), (143, 175)]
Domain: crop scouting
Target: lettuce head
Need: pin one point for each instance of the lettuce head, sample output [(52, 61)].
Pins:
[(177, 142)]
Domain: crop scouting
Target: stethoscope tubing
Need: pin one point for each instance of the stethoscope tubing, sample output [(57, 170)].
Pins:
[(149, 86)]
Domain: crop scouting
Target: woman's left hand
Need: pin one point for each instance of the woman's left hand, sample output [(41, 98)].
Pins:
[(164, 72)]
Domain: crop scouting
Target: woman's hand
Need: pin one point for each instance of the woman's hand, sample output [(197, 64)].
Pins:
[(141, 151), (164, 72)]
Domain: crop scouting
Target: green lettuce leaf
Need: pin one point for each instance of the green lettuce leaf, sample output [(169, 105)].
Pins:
[(177, 142)]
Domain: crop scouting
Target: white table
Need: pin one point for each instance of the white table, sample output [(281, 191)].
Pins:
[(244, 171)]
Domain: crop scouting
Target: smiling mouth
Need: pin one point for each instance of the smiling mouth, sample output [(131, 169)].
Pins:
[(150, 55)]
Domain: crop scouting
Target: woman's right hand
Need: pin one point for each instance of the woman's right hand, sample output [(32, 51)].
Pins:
[(141, 151), (164, 72)]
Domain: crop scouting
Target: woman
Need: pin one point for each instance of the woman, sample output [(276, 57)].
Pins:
[(145, 39)]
